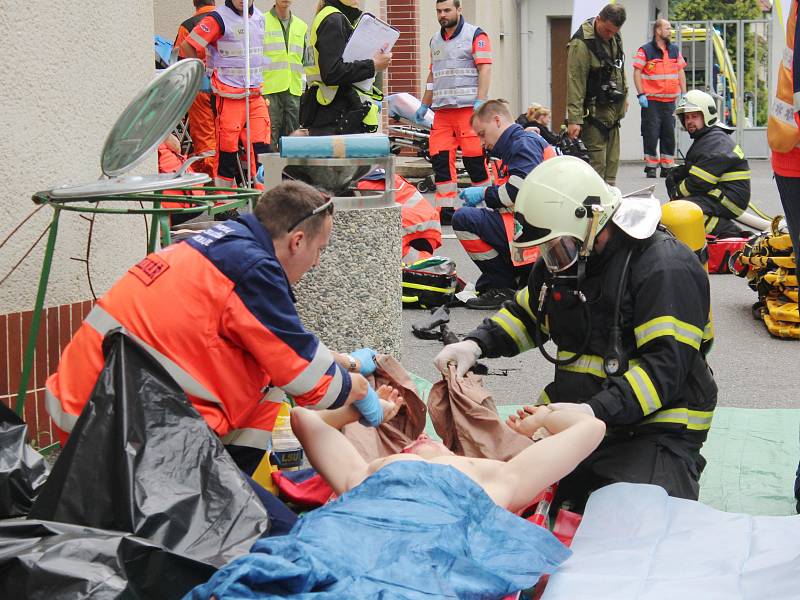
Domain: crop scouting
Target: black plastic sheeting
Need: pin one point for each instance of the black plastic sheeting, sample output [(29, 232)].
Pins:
[(23, 471), (142, 460), (48, 561)]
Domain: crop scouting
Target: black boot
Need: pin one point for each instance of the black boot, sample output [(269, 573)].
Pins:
[(665, 172), (650, 172), (491, 299)]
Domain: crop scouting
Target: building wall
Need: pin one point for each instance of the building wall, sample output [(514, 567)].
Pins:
[(62, 94)]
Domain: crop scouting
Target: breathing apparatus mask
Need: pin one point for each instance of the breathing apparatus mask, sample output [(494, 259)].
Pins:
[(561, 208)]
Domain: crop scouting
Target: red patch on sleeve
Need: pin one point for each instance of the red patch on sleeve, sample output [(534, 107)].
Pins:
[(149, 269)]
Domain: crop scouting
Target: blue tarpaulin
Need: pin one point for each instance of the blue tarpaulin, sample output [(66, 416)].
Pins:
[(412, 530)]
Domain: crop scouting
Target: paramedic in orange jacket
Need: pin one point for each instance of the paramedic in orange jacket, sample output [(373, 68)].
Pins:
[(217, 312), (422, 232), (220, 35), (201, 117), (461, 70)]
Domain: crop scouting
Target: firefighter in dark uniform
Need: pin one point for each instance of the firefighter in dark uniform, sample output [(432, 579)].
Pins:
[(627, 305), (596, 88), (333, 104), (716, 175)]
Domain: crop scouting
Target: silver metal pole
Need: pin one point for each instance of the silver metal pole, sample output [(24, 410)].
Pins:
[(246, 15)]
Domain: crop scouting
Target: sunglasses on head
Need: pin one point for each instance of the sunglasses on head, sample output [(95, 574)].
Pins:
[(326, 206)]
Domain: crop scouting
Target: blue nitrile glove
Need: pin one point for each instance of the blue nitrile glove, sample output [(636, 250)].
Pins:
[(642, 100), (477, 104), (370, 409), (366, 358), (422, 112), (260, 174), (472, 196)]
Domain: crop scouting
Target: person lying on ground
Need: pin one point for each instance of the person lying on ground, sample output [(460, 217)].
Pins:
[(512, 484), (421, 524)]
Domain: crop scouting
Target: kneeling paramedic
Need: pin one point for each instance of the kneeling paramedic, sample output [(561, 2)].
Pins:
[(217, 312), (485, 233), (237, 98), (716, 175), (627, 305)]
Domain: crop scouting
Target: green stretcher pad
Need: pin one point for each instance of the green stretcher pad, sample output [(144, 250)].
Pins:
[(752, 458)]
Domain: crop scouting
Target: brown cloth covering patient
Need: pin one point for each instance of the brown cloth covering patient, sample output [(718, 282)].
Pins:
[(462, 411), (391, 437), (464, 415)]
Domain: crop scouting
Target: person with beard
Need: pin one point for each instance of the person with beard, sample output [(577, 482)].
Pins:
[(716, 175), (333, 104), (659, 79), (457, 84), (627, 305)]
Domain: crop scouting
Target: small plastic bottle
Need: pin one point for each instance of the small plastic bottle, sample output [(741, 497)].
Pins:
[(286, 449)]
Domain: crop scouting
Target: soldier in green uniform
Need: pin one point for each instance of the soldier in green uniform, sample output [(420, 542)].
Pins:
[(596, 88)]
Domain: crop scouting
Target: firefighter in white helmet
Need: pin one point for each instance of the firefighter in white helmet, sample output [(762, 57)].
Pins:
[(627, 306), (716, 175)]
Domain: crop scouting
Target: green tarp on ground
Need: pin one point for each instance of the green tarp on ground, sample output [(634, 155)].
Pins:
[(752, 458)]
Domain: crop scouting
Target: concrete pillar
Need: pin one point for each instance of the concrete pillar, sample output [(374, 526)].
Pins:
[(354, 298)]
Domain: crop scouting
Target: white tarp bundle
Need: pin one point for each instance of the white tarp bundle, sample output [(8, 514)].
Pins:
[(635, 542)]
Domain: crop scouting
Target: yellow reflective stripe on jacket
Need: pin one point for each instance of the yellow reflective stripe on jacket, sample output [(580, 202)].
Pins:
[(711, 224), (735, 176), (695, 420), (429, 288), (643, 389), (704, 175), (523, 300), (680, 330), (514, 328), (683, 189), (736, 210), (586, 363)]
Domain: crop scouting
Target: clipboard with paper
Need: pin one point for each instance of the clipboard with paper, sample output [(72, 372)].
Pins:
[(371, 35)]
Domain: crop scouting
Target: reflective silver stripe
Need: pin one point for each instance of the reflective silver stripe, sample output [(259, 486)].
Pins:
[(671, 96), (466, 235), (310, 376), (479, 256), (234, 95), (254, 71), (447, 187), (788, 58), (295, 49), (334, 389), (638, 61), (660, 326), (277, 66), (483, 55), (643, 389), (660, 76), (697, 420), (414, 200), (102, 322), (251, 438), (783, 111), (275, 395), (457, 92), (296, 68), (502, 191), (424, 226), (193, 35), (274, 46), (63, 420), (454, 72)]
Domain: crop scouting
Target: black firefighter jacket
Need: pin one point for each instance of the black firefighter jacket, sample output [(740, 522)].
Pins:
[(666, 385), (716, 174)]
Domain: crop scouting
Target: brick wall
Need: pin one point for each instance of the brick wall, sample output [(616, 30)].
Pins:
[(58, 323), (404, 69)]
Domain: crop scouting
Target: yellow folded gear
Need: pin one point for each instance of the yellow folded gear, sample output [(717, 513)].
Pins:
[(780, 242), (781, 310), (768, 262), (791, 294), (782, 330), (780, 277)]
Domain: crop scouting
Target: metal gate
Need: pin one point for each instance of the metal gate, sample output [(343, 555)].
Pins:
[(730, 60)]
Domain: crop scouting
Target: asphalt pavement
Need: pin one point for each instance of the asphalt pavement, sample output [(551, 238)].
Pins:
[(752, 369)]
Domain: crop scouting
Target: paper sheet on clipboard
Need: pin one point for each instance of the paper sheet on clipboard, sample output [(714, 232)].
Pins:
[(370, 36)]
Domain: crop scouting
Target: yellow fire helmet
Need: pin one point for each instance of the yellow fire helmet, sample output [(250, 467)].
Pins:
[(698, 101)]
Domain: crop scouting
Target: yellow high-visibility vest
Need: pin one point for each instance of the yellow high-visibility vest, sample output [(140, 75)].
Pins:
[(284, 71)]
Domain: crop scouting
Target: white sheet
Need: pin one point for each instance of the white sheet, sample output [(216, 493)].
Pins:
[(635, 542)]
